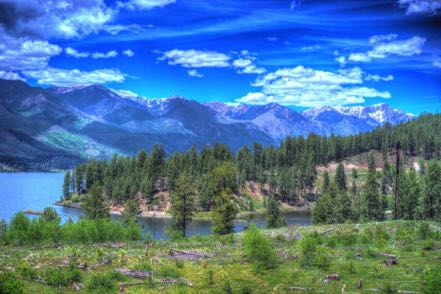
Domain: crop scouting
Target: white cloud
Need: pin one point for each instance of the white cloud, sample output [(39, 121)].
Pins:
[(310, 48), (251, 69), (421, 6), (245, 66), (109, 54), (125, 93), (386, 45), (65, 77), (380, 38), (74, 53), (8, 75), (196, 58), (194, 73), (21, 54), (341, 60), (128, 53), (272, 39), (437, 63), (377, 78), (308, 87), (144, 4), (115, 29)]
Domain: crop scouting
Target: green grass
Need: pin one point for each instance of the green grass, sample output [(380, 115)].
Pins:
[(352, 251)]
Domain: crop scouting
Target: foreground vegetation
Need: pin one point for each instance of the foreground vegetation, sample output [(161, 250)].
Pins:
[(354, 258)]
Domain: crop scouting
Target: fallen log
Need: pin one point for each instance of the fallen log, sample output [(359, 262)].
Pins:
[(189, 255), (174, 281), (134, 273), (331, 277)]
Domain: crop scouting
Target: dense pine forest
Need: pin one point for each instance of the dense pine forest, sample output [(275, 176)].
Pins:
[(209, 179)]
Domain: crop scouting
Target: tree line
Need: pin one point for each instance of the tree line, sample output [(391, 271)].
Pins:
[(419, 194), (208, 179)]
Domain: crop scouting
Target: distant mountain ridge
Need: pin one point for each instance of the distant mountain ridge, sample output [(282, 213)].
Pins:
[(57, 127)]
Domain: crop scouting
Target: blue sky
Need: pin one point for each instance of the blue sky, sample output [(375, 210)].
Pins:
[(297, 53)]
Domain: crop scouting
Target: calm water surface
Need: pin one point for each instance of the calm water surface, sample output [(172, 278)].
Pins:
[(21, 191)]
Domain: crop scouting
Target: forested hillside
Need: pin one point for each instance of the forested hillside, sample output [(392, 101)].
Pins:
[(288, 172)]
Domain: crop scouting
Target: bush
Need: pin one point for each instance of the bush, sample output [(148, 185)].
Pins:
[(226, 287), (169, 272), (322, 259), (424, 231), (102, 283), (9, 284), (62, 276), (26, 271), (431, 281), (143, 266), (258, 249), (308, 248)]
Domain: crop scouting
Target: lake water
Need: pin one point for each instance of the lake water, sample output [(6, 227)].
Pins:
[(21, 191)]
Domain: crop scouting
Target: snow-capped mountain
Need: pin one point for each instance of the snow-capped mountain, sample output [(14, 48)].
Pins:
[(65, 125)]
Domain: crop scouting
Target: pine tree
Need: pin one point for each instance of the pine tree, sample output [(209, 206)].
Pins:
[(354, 176), (343, 207), (325, 182), (223, 214), (370, 193), (182, 203), (410, 194), (340, 178), (431, 199), (94, 206), (387, 176), (323, 212), (273, 216), (131, 210), (66, 186)]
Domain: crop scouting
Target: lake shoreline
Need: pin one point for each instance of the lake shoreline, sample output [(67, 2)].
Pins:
[(201, 215)]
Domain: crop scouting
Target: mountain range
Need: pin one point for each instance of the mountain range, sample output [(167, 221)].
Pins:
[(60, 126)]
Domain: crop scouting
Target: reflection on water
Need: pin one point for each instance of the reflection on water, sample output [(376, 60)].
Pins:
[(21, 191)]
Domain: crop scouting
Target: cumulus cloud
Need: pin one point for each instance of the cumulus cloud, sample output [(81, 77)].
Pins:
[(437, 63), (309, 87), (144, 4), (196, 58), (242, 61), (341, 59), (421, 6), (66, 19), (74, 53), (21, 54), (110, 54), (377, 78), (194, 73), (386, 45), (128, 53), (8, 75), (65, 77)]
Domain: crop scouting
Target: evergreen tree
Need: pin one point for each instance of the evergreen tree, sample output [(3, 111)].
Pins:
[(325, 182), (343, 207), (66, 186), (223, 214), (323, 212), (370, 193), (50, 215), (410, 194), (387, 176), (182, 203), (94, 206), (340, 178), (131, 210), (354, 176), (273, 216), (431, 198)]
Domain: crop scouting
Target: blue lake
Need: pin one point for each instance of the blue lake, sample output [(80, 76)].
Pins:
[(22, 191)]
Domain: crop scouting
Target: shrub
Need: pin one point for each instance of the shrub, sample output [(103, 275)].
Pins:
[(423, 231), (428, 245), (210, 277), (26, 271), (322, 259), (179, 263), (101, 283), (246, 290), (431, 281), (143, 266), (169, 272), (259, 249), (308, 248), (9, 284), (62, 276), (226, 287)]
